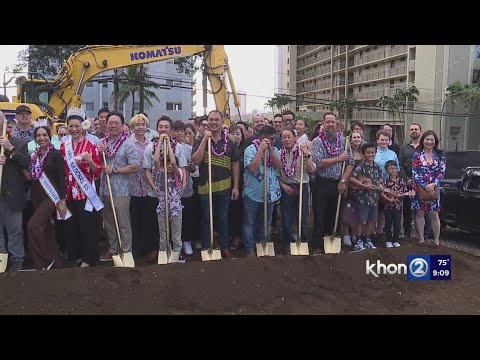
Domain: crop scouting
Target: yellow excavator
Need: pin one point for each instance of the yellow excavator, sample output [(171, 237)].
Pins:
[(66, 89)]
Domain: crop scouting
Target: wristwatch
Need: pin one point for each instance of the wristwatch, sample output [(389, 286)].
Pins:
[(343, 181)]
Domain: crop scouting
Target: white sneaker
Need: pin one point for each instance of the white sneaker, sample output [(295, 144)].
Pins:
[(369, 245), (396, 244), (347, 241), (388, 244), (187, 248)]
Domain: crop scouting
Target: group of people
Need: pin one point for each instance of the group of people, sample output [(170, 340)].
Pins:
[(73, 202)]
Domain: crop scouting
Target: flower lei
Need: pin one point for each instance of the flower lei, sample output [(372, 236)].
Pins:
[(37, 164), (225, 144), (290, 170), (256, 143), (326, 144), (111, 153)]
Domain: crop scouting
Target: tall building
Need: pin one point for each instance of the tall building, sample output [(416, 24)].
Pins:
[(242, 97), (175, 95), (316, 75)]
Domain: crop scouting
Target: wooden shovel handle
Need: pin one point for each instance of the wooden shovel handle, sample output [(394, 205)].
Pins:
[(113, 204)]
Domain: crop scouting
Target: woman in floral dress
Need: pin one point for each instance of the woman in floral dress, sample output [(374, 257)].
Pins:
[(428, 169)]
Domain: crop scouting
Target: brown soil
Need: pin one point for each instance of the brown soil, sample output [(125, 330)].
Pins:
[(325, 284)]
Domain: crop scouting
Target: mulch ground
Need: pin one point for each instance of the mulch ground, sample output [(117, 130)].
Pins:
[(325, 284)]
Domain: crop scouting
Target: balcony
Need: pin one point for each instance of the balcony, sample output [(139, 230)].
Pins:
[(378, 75), (311, 74), (311, 88), (339, 66), (312, 60), (310, 49), (381, 55)]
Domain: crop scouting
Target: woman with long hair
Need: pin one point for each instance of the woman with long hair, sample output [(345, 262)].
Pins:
[(48, 197), (428, 169), (349, 213), (235, 213), (82, 167)]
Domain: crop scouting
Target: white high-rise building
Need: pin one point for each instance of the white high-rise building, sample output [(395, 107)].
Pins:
[(316, 75)]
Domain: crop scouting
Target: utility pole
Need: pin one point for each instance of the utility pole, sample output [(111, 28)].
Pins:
[(142, 89), (116, 89)]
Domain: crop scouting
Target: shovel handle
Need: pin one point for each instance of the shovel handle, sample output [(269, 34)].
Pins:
[(113, 204), (265, 195), (339, 193), (300, 194), (210, 200), (167, 223), (2, 149)]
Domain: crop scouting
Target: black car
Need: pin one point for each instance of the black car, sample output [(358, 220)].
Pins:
[(460, 201)]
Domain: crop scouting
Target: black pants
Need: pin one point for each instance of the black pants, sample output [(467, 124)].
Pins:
[(190, 219), (392, 217), (81, 233), (274, 216), (144, 223), (407, 216), (325, 205), (235, 217)]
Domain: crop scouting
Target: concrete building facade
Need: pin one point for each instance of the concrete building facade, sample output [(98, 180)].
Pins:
[(315, 75), (175, 95)]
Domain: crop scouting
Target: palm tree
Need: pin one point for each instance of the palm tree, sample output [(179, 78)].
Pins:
[(279, 101), (131, 80), (342, 106), (403, 98)]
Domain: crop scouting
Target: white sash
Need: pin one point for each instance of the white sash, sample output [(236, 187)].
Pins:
[(79, 176), (52, 194)]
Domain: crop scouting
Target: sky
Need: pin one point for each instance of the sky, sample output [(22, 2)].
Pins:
[(252, 69)]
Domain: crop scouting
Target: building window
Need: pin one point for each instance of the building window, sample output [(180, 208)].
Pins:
[(392, 46), (89, 84), (374, 66), (288, 72), (105, 104), (169, 82), (403, 59), (392, 64), (177, 106), (392, 84), (105, 85), (288, 61), (169, 106), (177, 83), (120, 108), (288, 48), (89, 106)]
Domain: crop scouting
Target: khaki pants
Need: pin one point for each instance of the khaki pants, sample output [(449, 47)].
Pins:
[(175, 231), (122, 210)]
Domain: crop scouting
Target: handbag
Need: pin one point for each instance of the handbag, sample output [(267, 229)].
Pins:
[(424, 195)]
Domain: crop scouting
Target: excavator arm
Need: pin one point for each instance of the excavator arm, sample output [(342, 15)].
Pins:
[(93, 60)]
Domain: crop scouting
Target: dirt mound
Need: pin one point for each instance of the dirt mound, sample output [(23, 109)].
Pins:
[(326, 284)]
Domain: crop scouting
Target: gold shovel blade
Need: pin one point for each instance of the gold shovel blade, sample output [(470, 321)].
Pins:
[(260, 249), (209, 255), (332, 245), (128, 260), (117, 261), (300, 248), (164, 259), (269, 249), (3, 261), (303, 249)]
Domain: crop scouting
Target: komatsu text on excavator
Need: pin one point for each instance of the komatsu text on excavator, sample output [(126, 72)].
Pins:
[(66, 89)]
